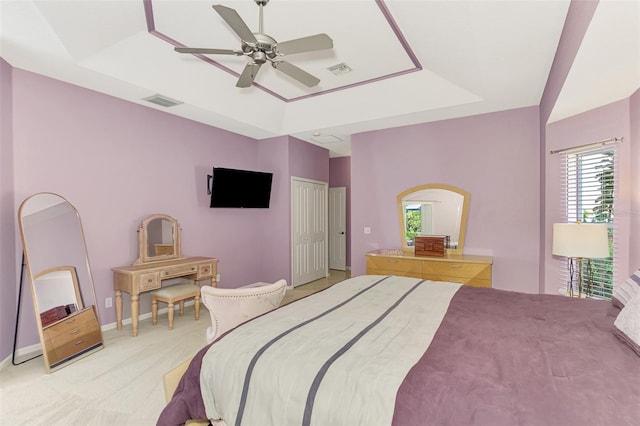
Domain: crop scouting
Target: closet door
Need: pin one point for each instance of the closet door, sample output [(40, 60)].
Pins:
[(309, 253)]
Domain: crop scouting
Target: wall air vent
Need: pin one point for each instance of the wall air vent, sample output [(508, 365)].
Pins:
[(162, 101)]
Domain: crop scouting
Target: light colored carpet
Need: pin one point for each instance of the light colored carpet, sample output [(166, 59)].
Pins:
[(119, 385)]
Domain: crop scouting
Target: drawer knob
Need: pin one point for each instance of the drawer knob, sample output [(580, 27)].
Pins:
[(74, 331), (71, 320), (79, 342), (150, 280), (453, 266)]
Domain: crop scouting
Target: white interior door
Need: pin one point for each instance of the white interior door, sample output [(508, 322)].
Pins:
[(338, 228), (308, 231)]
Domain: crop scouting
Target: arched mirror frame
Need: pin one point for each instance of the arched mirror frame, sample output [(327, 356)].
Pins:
[(85, 299), (145, 255), (463, 218), (74, 280)]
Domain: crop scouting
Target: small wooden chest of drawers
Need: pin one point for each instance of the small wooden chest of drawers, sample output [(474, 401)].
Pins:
[(431, 245), (71, 336), (463, 269)]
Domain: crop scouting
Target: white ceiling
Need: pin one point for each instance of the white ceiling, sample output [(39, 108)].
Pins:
[(412, 61)]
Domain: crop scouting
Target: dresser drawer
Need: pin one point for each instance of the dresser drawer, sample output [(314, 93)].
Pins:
[(70, 323), (394, 266), (178, 271), (205, 271), (74, 347), (457, 269), (474, 282), (149, 281)]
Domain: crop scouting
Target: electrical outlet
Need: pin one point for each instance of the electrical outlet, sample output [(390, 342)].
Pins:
[(217, 278), (108, 302), (367, 230)]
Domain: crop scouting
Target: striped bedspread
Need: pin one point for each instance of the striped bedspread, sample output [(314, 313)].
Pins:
[(336, 358), (376, 350)]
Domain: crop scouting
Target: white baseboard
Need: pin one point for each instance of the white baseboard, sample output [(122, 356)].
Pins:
[(127, 321), (23, 354)]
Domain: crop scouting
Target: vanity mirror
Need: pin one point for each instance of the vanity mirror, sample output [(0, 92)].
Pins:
[(159, 239), (60, 278), (433, 209)]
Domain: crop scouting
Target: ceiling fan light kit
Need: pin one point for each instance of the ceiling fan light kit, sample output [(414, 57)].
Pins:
[(262, 48)]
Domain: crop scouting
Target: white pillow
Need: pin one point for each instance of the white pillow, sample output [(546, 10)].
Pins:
[(627, 324), (624, 291)]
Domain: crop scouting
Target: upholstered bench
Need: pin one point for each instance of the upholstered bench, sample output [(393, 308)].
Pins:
[(172, 294)]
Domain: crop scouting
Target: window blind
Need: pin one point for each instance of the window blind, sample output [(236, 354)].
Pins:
[(589, 187)]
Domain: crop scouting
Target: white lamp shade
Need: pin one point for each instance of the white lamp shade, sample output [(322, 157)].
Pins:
[(589, 240)]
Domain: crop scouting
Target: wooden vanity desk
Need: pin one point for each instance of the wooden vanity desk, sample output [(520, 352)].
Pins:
[(138, 279), (464, 269), (160, 259)]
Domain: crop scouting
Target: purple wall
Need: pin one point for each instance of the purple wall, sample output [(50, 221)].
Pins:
[(613, 120), (634, 244), (575, 26), (493, 156), (340, 176), (289, 157), (9, 262), (118, 162)]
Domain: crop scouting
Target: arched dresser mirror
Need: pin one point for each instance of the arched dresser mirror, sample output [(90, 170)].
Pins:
[(60, 279), (433, 209)]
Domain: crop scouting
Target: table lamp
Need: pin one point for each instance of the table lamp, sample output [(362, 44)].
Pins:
[(579, 242)]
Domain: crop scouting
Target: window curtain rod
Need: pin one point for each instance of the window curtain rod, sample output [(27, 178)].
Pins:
[(587, 146)]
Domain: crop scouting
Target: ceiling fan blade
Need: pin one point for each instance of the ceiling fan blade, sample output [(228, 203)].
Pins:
[(305, 44), (296, 73), (236, 23), (248, 75), (206, 51)]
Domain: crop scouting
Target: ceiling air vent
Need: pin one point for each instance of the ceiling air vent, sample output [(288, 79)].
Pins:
[(320, 138), (340, 69), (162, 101)]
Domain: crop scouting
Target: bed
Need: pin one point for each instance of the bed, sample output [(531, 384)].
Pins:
[(393, 350)]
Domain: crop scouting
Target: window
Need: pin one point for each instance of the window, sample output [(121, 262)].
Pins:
[(588, 196)]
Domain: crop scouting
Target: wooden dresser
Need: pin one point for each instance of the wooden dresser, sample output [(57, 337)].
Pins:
[(72, 336), (464, 269)]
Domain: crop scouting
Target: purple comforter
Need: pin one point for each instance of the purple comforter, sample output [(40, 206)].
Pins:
[(503, 358)]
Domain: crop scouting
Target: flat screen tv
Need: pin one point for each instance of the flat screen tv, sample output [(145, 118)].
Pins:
[(240, 188)]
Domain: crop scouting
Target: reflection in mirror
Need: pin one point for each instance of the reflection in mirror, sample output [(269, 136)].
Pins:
[(60, 278), (57, 294), (433, 209), (158, 239)]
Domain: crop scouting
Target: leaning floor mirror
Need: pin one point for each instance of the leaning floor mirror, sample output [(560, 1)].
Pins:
[(60, 279)]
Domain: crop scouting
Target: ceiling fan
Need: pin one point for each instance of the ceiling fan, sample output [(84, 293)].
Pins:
[(261, 48)]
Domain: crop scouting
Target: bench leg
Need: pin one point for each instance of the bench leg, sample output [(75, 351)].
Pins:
[(182, 307), (171, 316), (197, 306), (154, 311)]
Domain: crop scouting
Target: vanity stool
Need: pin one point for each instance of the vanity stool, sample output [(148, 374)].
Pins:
[(172, 294)]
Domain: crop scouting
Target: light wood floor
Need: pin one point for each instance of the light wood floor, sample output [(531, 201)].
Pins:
[(119, 385)]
